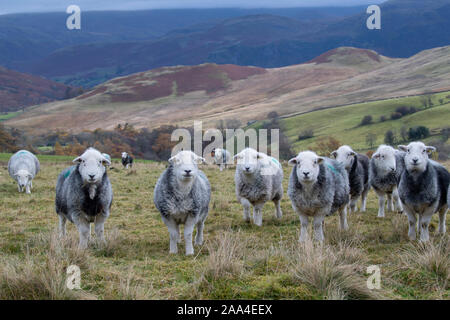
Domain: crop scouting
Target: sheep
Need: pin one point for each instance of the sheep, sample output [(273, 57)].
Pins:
[(423, 189), (127, 160), (357, 166), (182, 195), (318, 187), (221, 157), (23, 166), (84, 195), (385, 170), (258, 179)]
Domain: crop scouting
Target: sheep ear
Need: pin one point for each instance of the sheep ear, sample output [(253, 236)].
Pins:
[(237, 156), (199, 160), (172, 159), (333, 154), (430, 149), (77, 160), (402, 147), (353, 153), (376, 155), (106, 162), (320, 160), (292, 162)]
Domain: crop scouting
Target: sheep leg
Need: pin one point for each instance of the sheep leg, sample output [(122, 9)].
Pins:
[(174, 231), (257, 214), (84, 230), (381, 203), (19, 187), (353, 201), (246, 206), (199, 235), (28, 188), (100, 228), (412, 220), (442, 215), (318, 227), (304, 227), (62, 226), (424, 223), (221, 167), (343, 218), (398, 202), (364, 200), (389, 203), (188, 230), (278, 212), (178, 233)]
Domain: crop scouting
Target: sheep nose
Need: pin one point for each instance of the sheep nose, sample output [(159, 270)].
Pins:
[(305, 173), (92, 176), (247, 168), (415, 160), (392, 169), (187, 171)]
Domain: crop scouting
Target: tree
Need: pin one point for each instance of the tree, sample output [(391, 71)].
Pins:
[(389, 137), (366, 120), (59, 151), (326, 145), (272, 115), (404, 133), (371, 138), (306, 134), (396, 115)]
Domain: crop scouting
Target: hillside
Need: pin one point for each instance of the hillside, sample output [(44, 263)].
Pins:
[(19, 90), (346, 127), (178, 95), (268, 40)]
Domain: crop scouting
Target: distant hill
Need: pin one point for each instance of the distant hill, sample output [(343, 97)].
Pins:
[(19, 90), (210, 92), (28, 38), (266, 39)]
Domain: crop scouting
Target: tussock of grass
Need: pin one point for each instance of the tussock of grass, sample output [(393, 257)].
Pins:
[(129, 287), (335, 272), (427, 264), (37, 277)]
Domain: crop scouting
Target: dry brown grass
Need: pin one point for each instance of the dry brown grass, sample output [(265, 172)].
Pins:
[(336, 272)]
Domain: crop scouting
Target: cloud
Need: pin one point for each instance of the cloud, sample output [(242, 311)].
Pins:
[(61, 5)]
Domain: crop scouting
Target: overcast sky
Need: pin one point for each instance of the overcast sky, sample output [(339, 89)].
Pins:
[(11, 6)]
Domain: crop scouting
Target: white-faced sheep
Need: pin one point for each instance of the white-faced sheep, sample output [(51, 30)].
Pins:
[(385, 170), (182, 196), (258, 179), (23, 167), (221, 157), (357, 166), (318, 187), (423, 189), (127, 160), (84, 195)]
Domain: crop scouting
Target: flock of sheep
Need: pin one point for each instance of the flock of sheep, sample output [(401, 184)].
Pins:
[(318, 187)]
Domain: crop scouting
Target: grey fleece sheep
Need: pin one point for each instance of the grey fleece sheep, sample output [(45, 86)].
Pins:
[(385, 170), (258, 179), (423, 189), (357, 166), (182, 196), (23, 166), (84, 195), (318, 187)]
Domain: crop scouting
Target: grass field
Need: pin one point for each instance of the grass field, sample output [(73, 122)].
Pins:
[(237, 261), (342, 123), (8, 115)]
